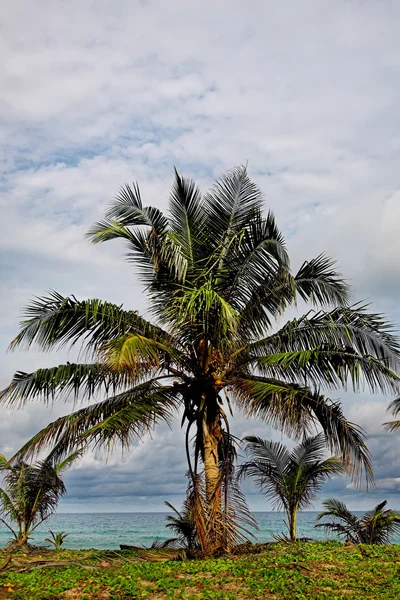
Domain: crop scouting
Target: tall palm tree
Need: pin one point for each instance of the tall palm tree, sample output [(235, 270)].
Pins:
[(217, 277), (291, 479), (31, 494), (376, 526)]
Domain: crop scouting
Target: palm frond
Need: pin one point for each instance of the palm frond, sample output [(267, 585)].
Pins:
[(59, 467), (366, 334), (331, 368), (62, 381), (230, 204), (318, 281), (296, 409), (119, 418), (136, 354), (394, 408), (57, 320), (186, 222), (127, 211), (255, 260)]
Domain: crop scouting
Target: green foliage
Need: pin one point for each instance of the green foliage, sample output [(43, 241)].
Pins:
[(376, 526), (31, 494), (57, 539), (183, 526), (291, 479), (326, 571)]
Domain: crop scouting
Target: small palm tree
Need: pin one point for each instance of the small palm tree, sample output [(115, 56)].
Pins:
[(376, 526), (183, 525), (290, 478), (31, 494), (57, 539)]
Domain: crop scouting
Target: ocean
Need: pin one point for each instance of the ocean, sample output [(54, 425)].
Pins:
[(109, 530)]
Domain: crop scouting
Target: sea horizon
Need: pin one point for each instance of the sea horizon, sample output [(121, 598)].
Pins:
[(107, 530)]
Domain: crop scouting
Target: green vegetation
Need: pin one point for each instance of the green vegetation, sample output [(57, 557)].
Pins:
[(291, 479), (217, 276), (182, 524), (299, 571), (57, 539), (31, 494), (376, 526)]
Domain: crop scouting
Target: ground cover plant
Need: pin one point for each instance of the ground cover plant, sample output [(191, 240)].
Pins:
[(299, 571), (217, 276)]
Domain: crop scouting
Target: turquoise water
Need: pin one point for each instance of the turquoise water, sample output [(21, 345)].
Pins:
[(108, 530)]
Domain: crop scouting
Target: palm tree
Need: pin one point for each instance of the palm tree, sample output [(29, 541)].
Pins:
[(217, 277), (31, 494), (376, 526), (291, 479), (183, 525)]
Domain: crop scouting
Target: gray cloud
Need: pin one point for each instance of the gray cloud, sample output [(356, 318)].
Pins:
[(94, 95)]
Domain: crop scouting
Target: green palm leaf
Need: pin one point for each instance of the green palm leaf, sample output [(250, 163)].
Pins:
[(55, 320), (61, 381), (296, 409), (119, 418)]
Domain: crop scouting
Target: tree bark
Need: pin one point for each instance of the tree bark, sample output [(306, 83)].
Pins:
[(292, 524), (212, 437)]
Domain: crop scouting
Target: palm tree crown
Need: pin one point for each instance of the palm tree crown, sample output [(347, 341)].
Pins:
[(217, 274), (291, 479)]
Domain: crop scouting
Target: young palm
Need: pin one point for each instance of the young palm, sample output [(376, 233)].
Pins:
[(31, 494), (291, 479), (217, 276), (376, 526), (183, 525)]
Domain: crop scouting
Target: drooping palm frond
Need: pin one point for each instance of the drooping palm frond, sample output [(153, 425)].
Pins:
[(329, 368), (119, 418), (318, 281), (139, 355), (297, 409), (223, 521), (376, 526)]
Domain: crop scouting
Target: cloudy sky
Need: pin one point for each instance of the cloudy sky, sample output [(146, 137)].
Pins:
[(96, 94)]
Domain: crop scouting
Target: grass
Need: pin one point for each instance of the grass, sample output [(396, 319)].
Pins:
[(323, 571)]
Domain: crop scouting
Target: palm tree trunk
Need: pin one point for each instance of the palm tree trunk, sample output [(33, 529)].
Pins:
[(212, 437), (293, 523)]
